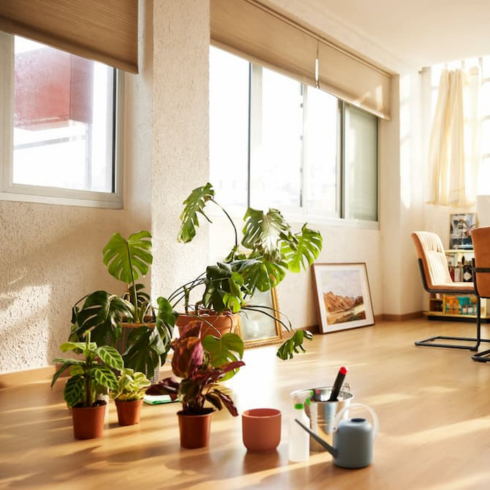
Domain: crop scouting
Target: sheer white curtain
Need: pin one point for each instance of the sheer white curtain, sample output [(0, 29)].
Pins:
[(454, 148)]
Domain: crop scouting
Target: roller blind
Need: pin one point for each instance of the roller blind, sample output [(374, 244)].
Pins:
[(252, 30), (102, 30), (249, 29), (354, 80)]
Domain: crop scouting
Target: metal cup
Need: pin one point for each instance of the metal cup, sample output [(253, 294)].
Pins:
[(322, 413)]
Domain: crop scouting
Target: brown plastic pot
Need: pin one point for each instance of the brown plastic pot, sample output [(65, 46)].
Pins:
[(211, 324), (88, 422), (194, 429), (128, 412)]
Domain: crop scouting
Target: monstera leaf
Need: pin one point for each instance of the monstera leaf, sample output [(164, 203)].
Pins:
[(127, 260), (264, 231), (260, 273), (102, 313), (223, 288), (228, 348), (193, 206), (293, 345), (303, 250)]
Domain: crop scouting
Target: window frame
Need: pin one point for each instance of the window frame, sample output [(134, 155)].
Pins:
[(301, 212), (9, 191)]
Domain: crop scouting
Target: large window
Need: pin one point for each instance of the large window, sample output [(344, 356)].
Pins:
[(275, 142), (59, 126)]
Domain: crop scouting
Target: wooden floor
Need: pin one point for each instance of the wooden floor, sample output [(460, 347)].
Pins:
[(433, 406)]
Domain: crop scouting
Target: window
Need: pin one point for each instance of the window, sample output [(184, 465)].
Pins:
[(275, 142), (59, 126)]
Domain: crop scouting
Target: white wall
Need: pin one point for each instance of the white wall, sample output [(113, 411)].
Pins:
[(51, 255), (180, 135)]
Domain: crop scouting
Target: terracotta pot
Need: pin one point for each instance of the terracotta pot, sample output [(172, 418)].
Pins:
[(211, 324), (261, 429), (194, 429), (88, 422), (128, 412)]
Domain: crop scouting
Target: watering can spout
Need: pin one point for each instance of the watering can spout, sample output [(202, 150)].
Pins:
[(318, 439)]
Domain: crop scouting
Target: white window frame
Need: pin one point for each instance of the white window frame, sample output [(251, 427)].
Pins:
[(42, 194)]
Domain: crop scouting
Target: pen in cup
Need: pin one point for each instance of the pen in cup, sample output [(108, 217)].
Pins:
[(338, 384)]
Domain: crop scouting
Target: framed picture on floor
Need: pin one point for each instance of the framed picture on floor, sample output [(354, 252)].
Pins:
[(343, 296), (257, 328)]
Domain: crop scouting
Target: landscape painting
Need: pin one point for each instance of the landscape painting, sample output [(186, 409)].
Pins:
[(344, 300)]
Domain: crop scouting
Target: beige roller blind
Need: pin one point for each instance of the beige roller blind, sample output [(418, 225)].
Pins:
[(102, 30), (256, 32), (354, 80)]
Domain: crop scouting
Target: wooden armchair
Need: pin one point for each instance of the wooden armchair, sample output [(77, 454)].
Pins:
[(481, 276), (436, 279)]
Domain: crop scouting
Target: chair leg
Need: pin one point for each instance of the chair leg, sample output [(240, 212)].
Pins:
[(481, 356), (430, 342)]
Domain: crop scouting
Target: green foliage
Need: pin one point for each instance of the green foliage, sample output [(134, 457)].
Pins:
[(89, 375), (104, 314), (193, 206), (131, 385), (302, 252), (227, 348), (272, 250), (200, 376), (101, 313), (128, 259), (293, 345)]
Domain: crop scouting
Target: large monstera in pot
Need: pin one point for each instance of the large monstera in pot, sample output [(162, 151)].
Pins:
[(272, 250)]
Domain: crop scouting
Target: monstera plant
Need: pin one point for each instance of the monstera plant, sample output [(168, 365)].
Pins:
[(268, 250), (127, 319)]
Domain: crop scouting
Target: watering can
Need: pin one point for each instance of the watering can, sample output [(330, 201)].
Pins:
[(353, 439)]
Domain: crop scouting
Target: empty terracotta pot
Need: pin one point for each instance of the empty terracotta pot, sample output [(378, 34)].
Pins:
[(88, 423), (128, 412), (261, 429), (194, 429)]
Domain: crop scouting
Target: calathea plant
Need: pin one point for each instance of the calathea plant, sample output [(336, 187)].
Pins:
[(91, 375), (199, 374), (268, 250), (131, 386)]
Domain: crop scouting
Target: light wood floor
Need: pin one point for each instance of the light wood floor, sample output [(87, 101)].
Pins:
[(433, 406)]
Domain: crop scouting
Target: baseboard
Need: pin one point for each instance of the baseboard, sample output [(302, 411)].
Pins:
[(400, 318), (17, 378)]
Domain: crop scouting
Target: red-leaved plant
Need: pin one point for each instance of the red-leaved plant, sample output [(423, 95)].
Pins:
[(199, 377)]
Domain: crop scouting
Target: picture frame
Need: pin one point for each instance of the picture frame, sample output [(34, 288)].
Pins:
[(460, 226), (343, 296), (257, 329)]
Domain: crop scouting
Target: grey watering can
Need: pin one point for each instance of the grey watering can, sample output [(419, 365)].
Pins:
[(353, 439)]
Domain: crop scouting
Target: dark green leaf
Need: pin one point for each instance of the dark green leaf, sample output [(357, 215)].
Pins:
[(102, 313), (293, 345), (74, 392), (140, 356)]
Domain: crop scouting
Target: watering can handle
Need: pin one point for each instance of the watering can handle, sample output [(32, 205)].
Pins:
[(369, 409)]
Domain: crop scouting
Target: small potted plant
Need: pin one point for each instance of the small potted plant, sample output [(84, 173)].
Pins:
[(90, 375), (127, 319), (268, 250), (199, 371), (129, 396)]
